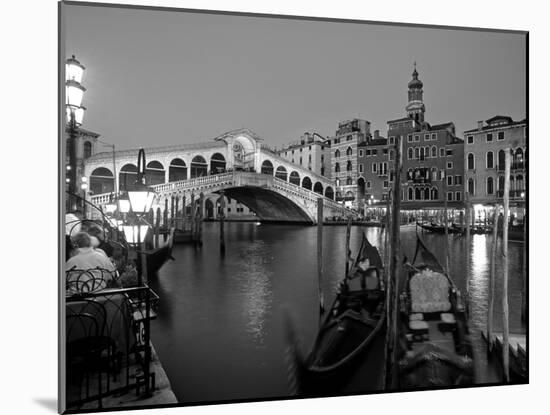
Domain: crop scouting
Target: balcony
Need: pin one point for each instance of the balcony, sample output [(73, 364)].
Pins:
[(514, 194), (516, 165)]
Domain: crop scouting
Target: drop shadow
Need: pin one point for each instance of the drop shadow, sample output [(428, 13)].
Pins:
[(48, 403)]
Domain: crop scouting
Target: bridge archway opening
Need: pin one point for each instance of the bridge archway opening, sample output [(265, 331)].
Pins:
[(177, 170), (127, 177), (199, 167), (294, 178), (306, 183), (281, 173), (267, 167), (318, 188), (154, 172), (268, 205), (329, 192), (217, 164), (102, 181)]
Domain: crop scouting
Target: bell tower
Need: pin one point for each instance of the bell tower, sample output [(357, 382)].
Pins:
[(415, 108)]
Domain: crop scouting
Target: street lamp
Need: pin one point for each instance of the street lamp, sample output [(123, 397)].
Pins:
[(74, 92)]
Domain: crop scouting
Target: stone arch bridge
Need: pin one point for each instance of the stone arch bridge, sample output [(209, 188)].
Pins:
[(235, 163)]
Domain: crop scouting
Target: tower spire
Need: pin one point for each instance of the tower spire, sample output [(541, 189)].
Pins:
[(415, 108)]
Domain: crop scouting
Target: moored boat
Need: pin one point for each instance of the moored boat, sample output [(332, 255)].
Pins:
[(435, 347), (348, 354)]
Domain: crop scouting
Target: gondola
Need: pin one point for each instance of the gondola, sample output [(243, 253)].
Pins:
[(348, 353), (435, 345), (155, 258), (437, 228)]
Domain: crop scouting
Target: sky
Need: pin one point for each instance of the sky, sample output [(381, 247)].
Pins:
[(156, 78)]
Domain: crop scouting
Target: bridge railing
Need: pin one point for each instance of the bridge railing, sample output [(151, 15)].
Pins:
[(232, 178)]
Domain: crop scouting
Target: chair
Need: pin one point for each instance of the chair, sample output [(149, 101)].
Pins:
[(79, 281), (85, 327)]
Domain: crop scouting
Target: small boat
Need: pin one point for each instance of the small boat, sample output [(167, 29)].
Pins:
[(348, 355), (435, 345), (438, 228), (155, 258)]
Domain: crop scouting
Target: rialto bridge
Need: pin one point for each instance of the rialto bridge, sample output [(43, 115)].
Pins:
[(236, 163)]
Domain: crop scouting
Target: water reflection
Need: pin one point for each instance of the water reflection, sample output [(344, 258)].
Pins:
[(219, 330), (254, 279)]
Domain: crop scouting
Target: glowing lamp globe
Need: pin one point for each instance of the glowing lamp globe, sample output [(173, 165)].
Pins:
[(73, 70), (141, 198), (135, 234)]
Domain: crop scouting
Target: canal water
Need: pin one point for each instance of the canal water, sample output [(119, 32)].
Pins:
[(219, 331)]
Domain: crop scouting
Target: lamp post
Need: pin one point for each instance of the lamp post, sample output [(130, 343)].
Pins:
[(74, 93)]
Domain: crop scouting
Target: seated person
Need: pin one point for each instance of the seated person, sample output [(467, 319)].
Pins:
[(96, 231), (367, 274), (87, 258)]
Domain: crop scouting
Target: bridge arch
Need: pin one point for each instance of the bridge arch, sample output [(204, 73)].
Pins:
[(177, 170), (281, 173), (318, 188), (306, 183), (329, 192), (127, 177), (217, 163), (199, 166), (267, 167), (294, 178), (102, 181), (155, 172)]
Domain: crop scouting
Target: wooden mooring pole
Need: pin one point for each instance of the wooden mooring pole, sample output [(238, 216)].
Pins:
[(525, 260), (492, 279), (505, 320), (183, 213), (320, 256), (467, 243), (165, 220), (157, 228), (395, 247), (348, 234), (200, 218), (193, 207), (221, 201)]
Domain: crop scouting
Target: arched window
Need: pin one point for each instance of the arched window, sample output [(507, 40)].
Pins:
[(490, 186), (518, 158), (416, 153), (490, 160), (281, 173), (199, 167), (337, 154), (102, 181), (217, 164), (434, 151), (426, 194), (349, 151), (337, 167), (501, 185), (512, 183), (127, 177), (410, 193), (87, 149), (318, 188), (349, 166), (471, 186), (417, 194), (154, 172), (177, 170), (434, 193), (471, 161), (392, 155), (294, 178), (306, 183), (501, 157), (349, 181), (267, 167), (421, 153), (329, 192), (410, 153), (434, 174), (520, 186)]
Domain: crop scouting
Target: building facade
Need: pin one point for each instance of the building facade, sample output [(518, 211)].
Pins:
[(373, 171), (344, 149), (484, 155), (311, 152), (432, 156)]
